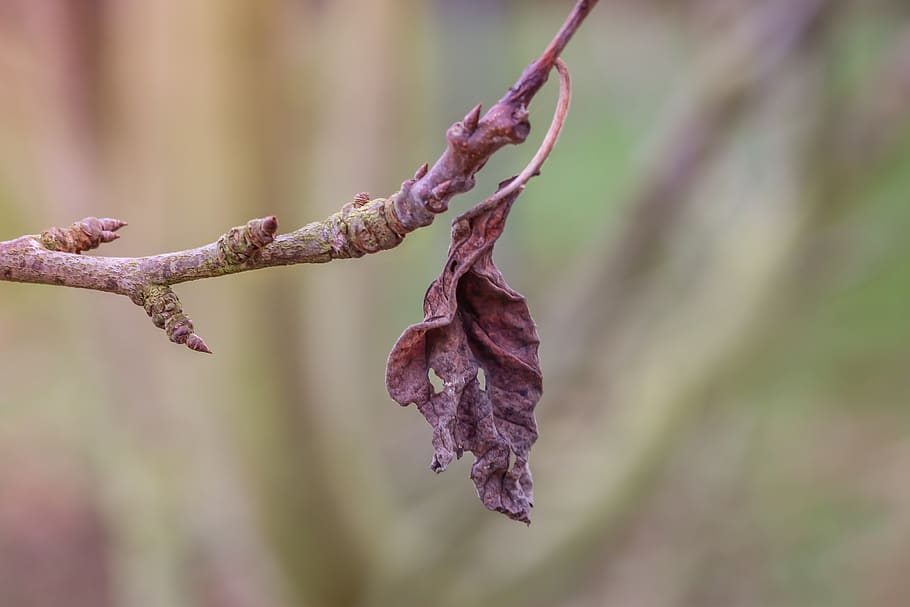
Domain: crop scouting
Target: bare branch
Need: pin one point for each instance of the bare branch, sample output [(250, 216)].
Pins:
[(759, 49), (474, 140), (877, 119), (535, 75), (364, 225)]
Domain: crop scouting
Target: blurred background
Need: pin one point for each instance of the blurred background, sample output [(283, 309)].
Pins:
[(717, 255)]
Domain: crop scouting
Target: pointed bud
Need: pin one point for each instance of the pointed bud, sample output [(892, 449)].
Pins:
[(438, 199), (112, 225), (422, 171), (194, 342), (472, 119), (442, 190)]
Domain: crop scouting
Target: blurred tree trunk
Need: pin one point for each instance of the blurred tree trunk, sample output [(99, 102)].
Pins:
[(322, 496)]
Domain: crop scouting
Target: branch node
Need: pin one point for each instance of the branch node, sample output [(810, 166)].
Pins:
[(83, 235), (364, 226), (242, 242), (362, 199)]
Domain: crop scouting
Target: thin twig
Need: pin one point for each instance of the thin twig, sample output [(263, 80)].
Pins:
[(536, 74), (543, 152)]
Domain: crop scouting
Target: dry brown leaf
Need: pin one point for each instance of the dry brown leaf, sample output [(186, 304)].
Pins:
[(474, 321)]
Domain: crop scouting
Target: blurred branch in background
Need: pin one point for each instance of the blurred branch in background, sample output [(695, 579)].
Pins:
[(782, 303), (741, 70), (876, 121)]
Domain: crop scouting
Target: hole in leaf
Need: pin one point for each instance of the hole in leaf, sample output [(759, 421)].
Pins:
[(435, 381), (482, 379)]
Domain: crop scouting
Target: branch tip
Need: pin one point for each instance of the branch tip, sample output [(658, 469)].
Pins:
[(84, 235), (194, 342), (109, 223), (163, 307), (535, 75)]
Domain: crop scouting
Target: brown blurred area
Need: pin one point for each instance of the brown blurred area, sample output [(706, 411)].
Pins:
[(716, 255)]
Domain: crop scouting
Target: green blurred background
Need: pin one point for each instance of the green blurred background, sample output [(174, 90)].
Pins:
[(717, 255)]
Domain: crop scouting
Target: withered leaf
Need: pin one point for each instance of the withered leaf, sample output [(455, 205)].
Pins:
[(473, 320)]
